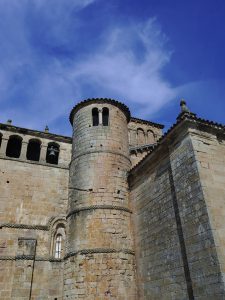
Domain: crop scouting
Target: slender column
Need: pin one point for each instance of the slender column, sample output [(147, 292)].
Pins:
[(23, 152), (100, 116), (44, 148), (3, 146)]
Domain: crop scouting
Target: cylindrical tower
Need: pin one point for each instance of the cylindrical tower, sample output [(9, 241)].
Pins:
[(100, 260)]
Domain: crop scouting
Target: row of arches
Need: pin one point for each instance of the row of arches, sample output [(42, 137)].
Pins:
[(100, 116), (141, 137), (14, 146)]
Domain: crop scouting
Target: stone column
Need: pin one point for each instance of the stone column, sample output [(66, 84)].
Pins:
[(23, 152), (3, 146), (44, 148), (100, 116)]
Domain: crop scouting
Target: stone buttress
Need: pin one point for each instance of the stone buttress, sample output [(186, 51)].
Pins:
[(100, 259)]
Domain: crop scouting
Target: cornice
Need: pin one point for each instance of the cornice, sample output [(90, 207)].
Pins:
[(86, 102), (36, 133), (137, 120)]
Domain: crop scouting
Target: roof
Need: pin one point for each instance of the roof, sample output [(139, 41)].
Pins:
[(147, 122), (86, 102), (41, 134), (183, 116)]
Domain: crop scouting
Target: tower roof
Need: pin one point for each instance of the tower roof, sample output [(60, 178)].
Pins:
[(86, 102)]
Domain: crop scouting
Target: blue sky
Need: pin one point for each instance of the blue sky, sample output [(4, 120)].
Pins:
[(148, 54)]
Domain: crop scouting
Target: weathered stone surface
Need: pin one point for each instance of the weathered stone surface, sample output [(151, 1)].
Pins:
[(98, 177), (159, 234)]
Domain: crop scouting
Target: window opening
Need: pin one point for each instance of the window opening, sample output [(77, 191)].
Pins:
[(95, 117), (33, 150), (52, 155), (105, 116), (140, 136), (58, 246), (14, 146), (151, 137)]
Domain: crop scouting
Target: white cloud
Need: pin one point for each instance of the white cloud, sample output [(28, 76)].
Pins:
[(116, 69), (127, 65), (78, 4)]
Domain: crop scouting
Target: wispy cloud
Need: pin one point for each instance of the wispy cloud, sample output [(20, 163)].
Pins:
[(43, 71)]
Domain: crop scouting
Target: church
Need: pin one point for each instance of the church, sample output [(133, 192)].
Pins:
[(118, 211)]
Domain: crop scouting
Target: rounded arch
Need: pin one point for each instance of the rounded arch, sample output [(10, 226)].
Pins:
[(52, 155), (140, 136), (150, 136), (14, 146), (34, 149), (105, 116), (58, 237), (1, 139), (95, 116)]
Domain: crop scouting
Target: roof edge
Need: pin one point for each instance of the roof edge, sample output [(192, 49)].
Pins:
[(185, 116), (88, 101), (157, 125), (37, 133)]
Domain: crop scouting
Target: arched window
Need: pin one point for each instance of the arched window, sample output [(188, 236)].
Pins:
[(14, 146), (105, 116), (151, 137), (140, 136), (58, 246), (33, 150), (52, 155), (132, 137), (0, 139), (95, 117), (58, 239)]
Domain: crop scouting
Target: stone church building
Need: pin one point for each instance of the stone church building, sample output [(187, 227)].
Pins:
[(119, 211)]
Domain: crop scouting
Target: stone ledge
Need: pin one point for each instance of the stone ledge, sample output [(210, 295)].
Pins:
[(25, 226), (100, 151), (98, 251), (75, 211), (30, 257), (34, 162)]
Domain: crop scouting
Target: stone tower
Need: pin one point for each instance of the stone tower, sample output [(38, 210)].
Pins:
[(100, 260)]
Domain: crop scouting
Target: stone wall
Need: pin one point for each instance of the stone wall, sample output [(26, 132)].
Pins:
[(209, 149), (137, 155), (178, 217), (201, 251), (33, 201), (143, 132), (158, 254)]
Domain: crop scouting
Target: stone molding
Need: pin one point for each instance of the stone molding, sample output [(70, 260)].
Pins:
[(25, 226), (100, 151), (3, 156), (93, 207), (30, 257), (46, 227), (98, 251), (68, 255)]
